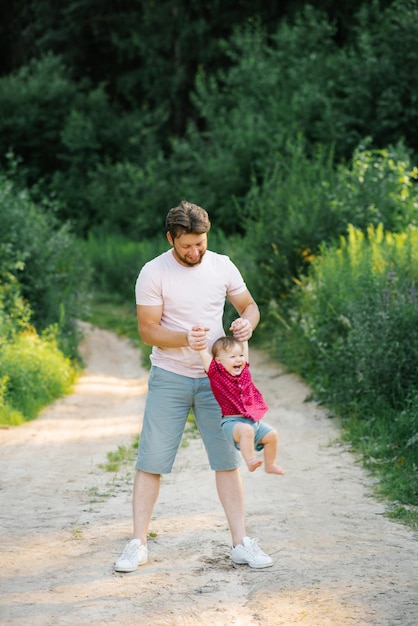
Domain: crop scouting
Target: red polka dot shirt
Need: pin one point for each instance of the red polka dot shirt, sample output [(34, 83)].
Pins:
[(236, 395)]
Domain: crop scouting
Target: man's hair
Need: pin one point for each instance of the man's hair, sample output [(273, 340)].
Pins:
[(225, 343), (187, 218)]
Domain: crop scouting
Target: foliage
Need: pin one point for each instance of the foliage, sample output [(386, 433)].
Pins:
[(378, 91), (33, 373), (34, 103), (61, 130), (356, 315), (101, 145), (309, 202), (379, 187), (144, 52), (389, 451), (275, 88), (117, 260), (287, 218), (250, 115), (14, 311), (45, 259), (121, 194), (42, 281), (353, 334)]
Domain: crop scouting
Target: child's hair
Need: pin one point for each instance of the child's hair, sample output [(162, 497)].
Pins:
[(225, 343)]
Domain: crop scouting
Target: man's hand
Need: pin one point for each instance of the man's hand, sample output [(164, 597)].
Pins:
[(241, 329), (197, 337)]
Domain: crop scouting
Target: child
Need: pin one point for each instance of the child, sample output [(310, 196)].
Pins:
[(241, 403)]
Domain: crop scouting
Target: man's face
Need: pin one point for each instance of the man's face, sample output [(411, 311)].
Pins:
[(189, 248)]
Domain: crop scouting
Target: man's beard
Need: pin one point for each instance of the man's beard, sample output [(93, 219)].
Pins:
[(186, 261)]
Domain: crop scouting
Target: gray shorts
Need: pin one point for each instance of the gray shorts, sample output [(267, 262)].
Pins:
[(169, 400), (260, 429)]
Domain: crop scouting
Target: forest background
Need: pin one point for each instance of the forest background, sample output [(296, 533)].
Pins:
[(294, 124)]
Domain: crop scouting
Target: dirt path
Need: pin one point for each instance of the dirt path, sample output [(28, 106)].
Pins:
[(64, 520)]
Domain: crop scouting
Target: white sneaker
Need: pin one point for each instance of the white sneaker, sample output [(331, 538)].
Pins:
[(133, 555), (250, 553)]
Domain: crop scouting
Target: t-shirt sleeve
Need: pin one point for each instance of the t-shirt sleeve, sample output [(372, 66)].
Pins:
[(148, 287), (236, 283)]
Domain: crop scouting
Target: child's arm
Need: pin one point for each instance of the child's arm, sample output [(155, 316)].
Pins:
[(246, 351), (206, 358)]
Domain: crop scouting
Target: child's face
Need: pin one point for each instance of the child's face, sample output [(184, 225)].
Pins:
[(232, 360)]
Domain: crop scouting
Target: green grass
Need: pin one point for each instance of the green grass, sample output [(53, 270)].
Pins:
[(121, 457), (391, 464)]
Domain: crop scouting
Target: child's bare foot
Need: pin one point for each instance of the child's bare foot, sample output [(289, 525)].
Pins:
[(274, 469), (254, 463)]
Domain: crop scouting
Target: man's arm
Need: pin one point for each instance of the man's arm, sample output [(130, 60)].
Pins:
[(153, 334), (249, 315)]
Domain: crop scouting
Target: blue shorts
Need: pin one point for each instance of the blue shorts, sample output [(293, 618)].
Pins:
[(169, 400), (260, 429)]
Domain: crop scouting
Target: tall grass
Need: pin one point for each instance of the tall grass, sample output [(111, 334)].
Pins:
[(355, 317), (352, 333)]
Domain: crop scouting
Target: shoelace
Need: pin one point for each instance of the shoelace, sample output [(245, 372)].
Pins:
[(255, 547), (130, 551)]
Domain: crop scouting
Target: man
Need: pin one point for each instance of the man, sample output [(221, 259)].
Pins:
[(180, 299)]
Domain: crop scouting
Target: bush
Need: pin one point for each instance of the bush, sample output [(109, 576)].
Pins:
[(355, 322), (14, 311), (33, 373), (307, 201), (286, 219), (378, 187), (352, 333), (122, 199), (34, 103), (45, 259)]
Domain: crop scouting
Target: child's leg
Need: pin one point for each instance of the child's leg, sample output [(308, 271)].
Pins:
[(270, 442), (244, 436)]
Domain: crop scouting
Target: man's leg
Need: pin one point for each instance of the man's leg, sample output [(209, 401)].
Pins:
[(145, 494), (231, 495)]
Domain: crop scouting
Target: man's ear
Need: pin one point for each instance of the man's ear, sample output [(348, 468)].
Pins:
[(170, 239)]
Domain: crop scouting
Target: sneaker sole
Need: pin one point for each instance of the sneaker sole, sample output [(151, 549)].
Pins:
[(126, 570), (254, 566)]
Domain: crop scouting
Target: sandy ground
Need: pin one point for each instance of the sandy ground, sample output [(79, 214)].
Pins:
[(64, 520)]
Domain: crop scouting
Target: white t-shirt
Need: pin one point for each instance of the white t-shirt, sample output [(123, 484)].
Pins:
[(189, 295)]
